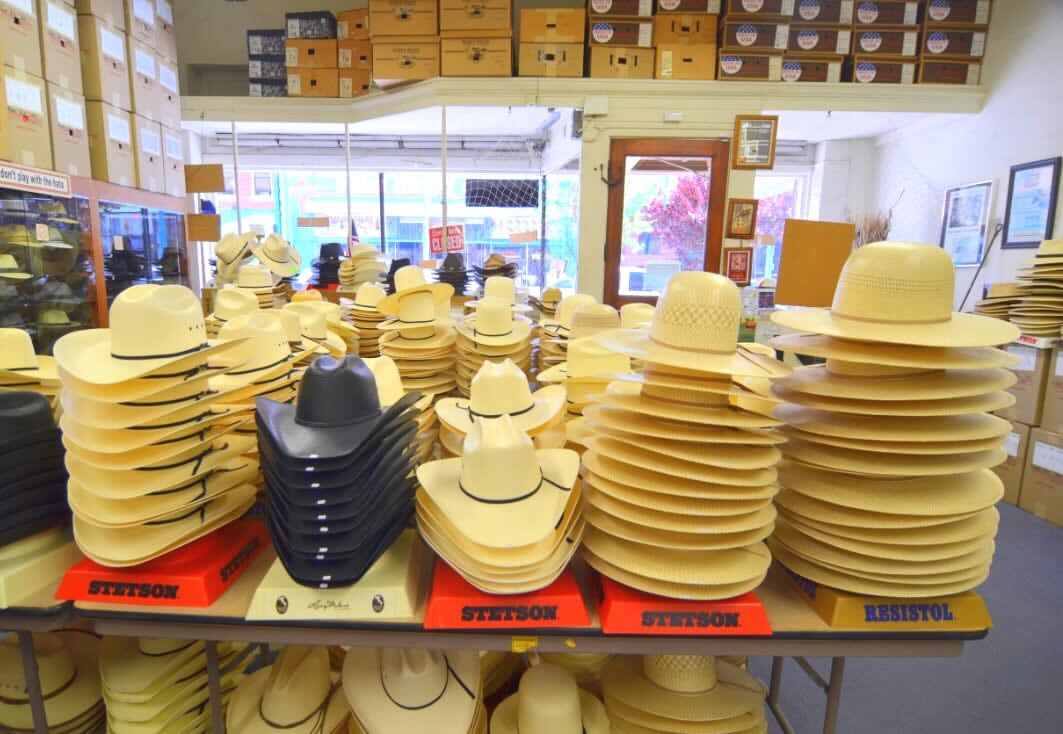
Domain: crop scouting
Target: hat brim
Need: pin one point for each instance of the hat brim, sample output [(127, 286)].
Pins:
[(639, 424), (519, 332), (245, 712), (148, 456), (286, 268), (71, 702), (547, 403), (894, 355), (980, 403), (639, 459), (968, 427), (936, 385), (592, 715), (708, 415), (639, 344), (878, 464), (45, 372), (443, 336), (120, 440), (672, 539), (389, 305), (960, 330)]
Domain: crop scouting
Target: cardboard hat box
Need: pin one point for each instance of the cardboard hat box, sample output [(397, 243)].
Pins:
[(168, 103), (266, 69), (486, 54), (759, 35), (953, 42), (550, 59), (311, 54), (355, 82), (621, 32), (355, 54), (886, 12), (111, 11), (820, 39), (60, 52), (104, 62), (883, 70), (823, 11), (1052, 408), (958, 12), (149, 154), (173, 151), (352, 25), (760, 8), (268, 87), (265, 43), (950, 71), (676, 28), (1042, 480), (1011, 471), (310, 24), (405, 59), (144, 79), (111, 144), (475, 15), (140, 20), (620, 8), (802, 68), (70, 132), (690, 6), (615, 62), (552, 25), (1029, 389), (20, 40), (686, 61), (5, 122), (313, 83), (403, 18), (886, 41), (28, 126), (165, 30), (750, 66)]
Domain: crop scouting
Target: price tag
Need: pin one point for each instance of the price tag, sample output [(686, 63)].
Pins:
[(62, 21), (1011, 444), (112, 44), (522, 644), (645, 34), (42, 232), (1049, 457), (1027, 358), (118, 243), (69, 114), (291, 56), (782, 37), (118, 129), (23, 97)]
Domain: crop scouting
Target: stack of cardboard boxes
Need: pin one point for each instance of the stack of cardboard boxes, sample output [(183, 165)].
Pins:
[(686, 36), (311, 54), (266, 70), (1033, 471), (405, 38), (27, 138), (354, 53), (754, 34), (886, 41), (620, 38), (954, 39), (476, 38), (819, 41), (552, 42)]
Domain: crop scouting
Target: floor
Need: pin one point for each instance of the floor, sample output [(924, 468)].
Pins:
[(1009, 683)]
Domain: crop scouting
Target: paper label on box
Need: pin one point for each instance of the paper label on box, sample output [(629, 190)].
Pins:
[(62, 20), (293, 27), (1011, 444), (646, 34), (26, 6), (846, 12), (144, 63), (69, 114), (41, 233), (775, 68), (295, 86), (150, 141), (346, 87), (1027, 358), (668, 4), (978, 44), (254, 69), (782, 35), (174, 149), (168, 77), (343, 30), (291, 56), (911, 13), (346, 58), (254, 45), (118, 129), (23, 97), (910, 41), (112, 44), (834, 73), (666, 64), (118, 243), (164, 10), (645, 7), (844, 42), (1049, 457), (144, 11), (981, 15), (973, 72), (867, 12), (1059, 365)]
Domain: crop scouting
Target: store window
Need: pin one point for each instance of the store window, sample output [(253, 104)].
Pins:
[(561, 218), (781, 196)]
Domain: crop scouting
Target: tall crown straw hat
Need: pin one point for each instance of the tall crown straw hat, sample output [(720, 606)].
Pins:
[(69, 678), (694, 328), (277, 255), (493, 324), (409, 281), (231, 302), (634, 315), (561, 323), (264, 355), (501, 389), (899, 293), (368, 297), (593, 318), (588, 362), (256, 278), (548, 701), (19, 362), (503, 288)]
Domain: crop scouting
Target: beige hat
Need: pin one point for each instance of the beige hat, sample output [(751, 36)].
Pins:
[(277, 255), (230, 302), (19, 362), (635, 315), (10, 270), (151, 456), (969, 427), (493, 324), (548, 701), (69, 679), (255, 278), (895, 355), (712, 414), (502, 492), (501, 389), (609, 524), (561, 324), (895, 447), (315, 329), (296, 695), (180, 424), (867, 382), (635, 423), (263, 356), (593, 318), (880, 464), (696, 328), (967, 530), (410, 281), (899, 293), (368, 297), (587, 362), (632, 461), (504, 289), (307, 296), (413, 690), (129, 666), (982, 403)]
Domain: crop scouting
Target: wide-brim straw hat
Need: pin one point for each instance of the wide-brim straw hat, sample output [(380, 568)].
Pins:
[(825, 381), (618, 395), (548, 701), (967, 427), (900, 293), (638, 424), (408, 281), (413, 340), (131, 666), (879, 464), (894, 355), (69, 677), (277, 255), (983, 403), (546, 404)]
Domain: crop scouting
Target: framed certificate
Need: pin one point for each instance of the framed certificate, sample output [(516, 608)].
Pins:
[(965, 222), (1031, 206), (753, 145), (741, 219), (738, 264)]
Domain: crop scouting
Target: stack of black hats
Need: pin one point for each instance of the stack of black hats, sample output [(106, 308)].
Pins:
[(339, 472), (326, 266), (493, 266), (32, 474), (388, 279), (453, 271)]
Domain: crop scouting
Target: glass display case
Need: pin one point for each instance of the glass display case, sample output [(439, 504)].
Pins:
[(141, 245)]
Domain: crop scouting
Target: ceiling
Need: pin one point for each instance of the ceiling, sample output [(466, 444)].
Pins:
[(815, 127)]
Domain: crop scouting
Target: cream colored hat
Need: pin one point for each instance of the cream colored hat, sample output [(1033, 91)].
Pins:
[(561, 324), (634, 315), (591, 319), (412, 690), (899, 293), (256, 278), (307, 296), (894, 355), (493, 323), (587, 362), (315, 329), (502, 492), (368, 297), (277, 256), (501, 389), (410, 281), (843, 380), (69, 678), (10, 270), (231, 302), (19, 362), (504, 289), (696, 328), (548, 701), (296, 695), (263, 355), (129, 665)]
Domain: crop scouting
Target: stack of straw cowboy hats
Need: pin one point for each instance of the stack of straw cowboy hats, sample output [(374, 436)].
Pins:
[(393, 691), (312, 302), (548, 701), (158, 686), (365, 265), (682, 693), (887, 488), (22, 369), (338, 472), (1040, 312), (419, 337), (259, 281), (150, 467), (491, 334), (229, 302), (231, 251), (999, 300), (546, 303), (453, 272), (554, 332), (366, 317), (679, 470), (502, 288), (495, 265), (70, 683), (389, 389), (506, 516)]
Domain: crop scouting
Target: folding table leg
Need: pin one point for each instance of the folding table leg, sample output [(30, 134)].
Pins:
[(33, 682), (834, 695), (217, 716)]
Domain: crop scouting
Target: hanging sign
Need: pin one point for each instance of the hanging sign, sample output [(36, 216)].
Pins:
[(24, 178), (455, 239)]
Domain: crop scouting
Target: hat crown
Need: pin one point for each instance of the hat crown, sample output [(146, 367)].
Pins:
[(292, 325), (330, 251), (408, 277), (232, 247), (896, 282), (681, 673), (307, 296), (494, 317), (8, 262), (592, 318), (498, 462), (499, 287), (232, 302), (266, 343), (53, 316), (1050, 247), (568, 306), (55, 666), (16, 350), (254, 276), (413, 678), (156, 321), (388, 379), (417, 308), (494, 260), (551, 296), (369, 295), (499, 388), (337, 392), (312, 322), (633, 315), (299, 683), (586, 358), (698, 312), (22, 413), (454, 261), (548, 702), (275, 247)]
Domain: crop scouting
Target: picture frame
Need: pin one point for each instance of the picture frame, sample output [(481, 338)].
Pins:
[(738, 264), (741, 219), (1030, 210), (753, 144), (965, 222)]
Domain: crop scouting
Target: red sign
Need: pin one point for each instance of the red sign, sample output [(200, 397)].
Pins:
[(455, 239)]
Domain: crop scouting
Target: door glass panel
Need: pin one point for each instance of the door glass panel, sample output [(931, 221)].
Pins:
[(666, 212)]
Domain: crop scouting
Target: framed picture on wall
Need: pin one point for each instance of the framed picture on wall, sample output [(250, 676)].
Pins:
[(753, 145), (738, 264), (1031, 206), (741, 219), (965, 222)]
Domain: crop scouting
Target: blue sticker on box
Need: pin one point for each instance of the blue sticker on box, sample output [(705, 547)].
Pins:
[(871, 41), (731, 64), (939, 9)]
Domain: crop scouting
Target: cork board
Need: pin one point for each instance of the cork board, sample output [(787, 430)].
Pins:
[(813, 254)]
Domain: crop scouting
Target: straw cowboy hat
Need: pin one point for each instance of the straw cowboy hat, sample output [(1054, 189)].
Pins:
[(277, 255), (840, 380), (501, 389), (412, 690), (899, 293), (297, 695), (10, 270), (587, 363), (233, 249), (314, 329), (504, 289), (501, 492), (230, 302), (307, 296), (894, 355), (154, 328), (69, 679), (986, 402), (635, 315), (130, 666), (695, 328), (264, 354), (560, 325), (591, 319), (548, 701), (368, 297), (493, 324), (416, 312), (968, 427), (19, 362), (410, 281)]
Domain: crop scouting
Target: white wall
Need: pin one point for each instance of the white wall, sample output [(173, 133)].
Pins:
[(1022, 121)]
